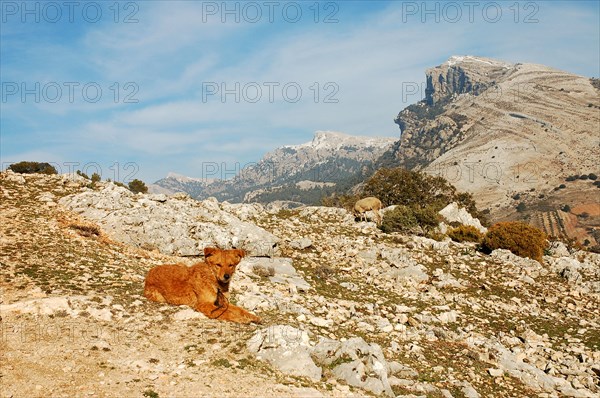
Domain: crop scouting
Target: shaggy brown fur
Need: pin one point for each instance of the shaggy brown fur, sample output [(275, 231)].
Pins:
[(204, 286), (371, 203)]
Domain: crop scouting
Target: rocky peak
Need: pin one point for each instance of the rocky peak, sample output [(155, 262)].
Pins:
[(336, 140), (463, 74)]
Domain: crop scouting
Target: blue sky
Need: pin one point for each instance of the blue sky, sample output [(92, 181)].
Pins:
[(135, 88)]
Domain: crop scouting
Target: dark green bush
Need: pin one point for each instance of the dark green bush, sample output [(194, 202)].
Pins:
[(409, 188), (521, 207), (408, 218), (82, 174), (137, 186), (592, 176), (399, 186), (465, 233), (520, 238), (96, 178), (33, 167)]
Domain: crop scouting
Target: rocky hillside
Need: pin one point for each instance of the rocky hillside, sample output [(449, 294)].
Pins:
[(348, 311), (508, 133), (302, 173), (174, 183)]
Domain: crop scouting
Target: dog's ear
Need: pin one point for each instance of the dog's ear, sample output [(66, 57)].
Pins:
[(209, 251), (241, 253)]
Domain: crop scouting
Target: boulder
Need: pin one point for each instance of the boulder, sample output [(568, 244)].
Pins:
[(176, 225), (287, 349), (453, 213), (363, 364)]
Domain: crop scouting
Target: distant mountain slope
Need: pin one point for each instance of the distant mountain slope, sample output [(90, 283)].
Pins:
[(508, 133), (174, 182), (301, 173)]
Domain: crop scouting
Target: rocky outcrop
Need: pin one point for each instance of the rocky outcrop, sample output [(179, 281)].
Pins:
[(176, 225), (454, 213), (353, 361), (463, 75), (508, 134)]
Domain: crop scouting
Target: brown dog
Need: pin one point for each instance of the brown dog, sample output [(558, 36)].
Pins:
[(204, 286)]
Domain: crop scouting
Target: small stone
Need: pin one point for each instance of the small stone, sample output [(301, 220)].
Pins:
[(495, 372), (321, 322)]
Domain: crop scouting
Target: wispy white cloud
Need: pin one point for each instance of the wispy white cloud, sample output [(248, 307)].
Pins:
[(171, 53)]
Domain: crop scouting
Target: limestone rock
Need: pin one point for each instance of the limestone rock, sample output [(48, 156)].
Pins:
[(287, 349), (453, 213), (179, 226)]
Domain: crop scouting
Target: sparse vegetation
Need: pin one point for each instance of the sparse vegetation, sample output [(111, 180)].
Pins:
[(221, 362), (408, 218), (86, 229), (80, 173), (465, 233), (346, 201), (521, 207), (520, 238), (149, 393), (138, 186), (262, 271), (33, 167)]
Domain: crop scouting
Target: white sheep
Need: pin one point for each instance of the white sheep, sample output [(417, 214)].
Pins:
[(366, 204)]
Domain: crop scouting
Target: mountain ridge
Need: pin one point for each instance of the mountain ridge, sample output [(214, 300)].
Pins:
[(328, 159)]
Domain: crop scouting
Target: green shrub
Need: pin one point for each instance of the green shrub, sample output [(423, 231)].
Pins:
[(465, 233), (409, 188), (96, 178), (521, 207), (592, 176), (80, 173), (33, 167), (520, 238), (344, 201), (137, 186), (408, 218)]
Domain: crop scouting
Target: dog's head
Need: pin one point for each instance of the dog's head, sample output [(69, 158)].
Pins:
[(223, 262)]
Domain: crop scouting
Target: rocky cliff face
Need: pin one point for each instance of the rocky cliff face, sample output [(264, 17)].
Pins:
[(507, 133), (464, 75), (298, 172)]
